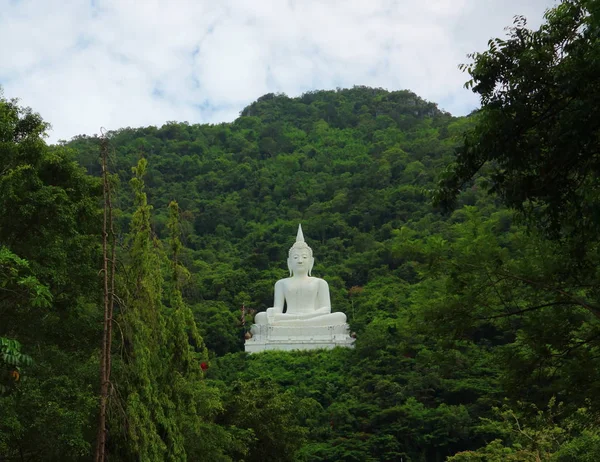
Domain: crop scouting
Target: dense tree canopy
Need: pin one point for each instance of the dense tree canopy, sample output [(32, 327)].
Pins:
[(477, 327), (535, 141), (48, 293), (539, 123)]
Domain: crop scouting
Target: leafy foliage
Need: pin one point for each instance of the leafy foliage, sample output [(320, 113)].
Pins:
[(477, 330), (538, 123), (48, 281), (452, 313)]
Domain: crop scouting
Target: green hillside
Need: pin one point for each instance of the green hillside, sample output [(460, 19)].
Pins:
[(353, 166), (423, 290), (464, 251)]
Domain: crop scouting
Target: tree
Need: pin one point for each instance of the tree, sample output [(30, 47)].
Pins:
[(194, 403), (11, 360), (536, 136), (108, 276), (49, 255), (534, 145), (537, 131), (271, 414), (144, 422), (18, 287), (165, 409)]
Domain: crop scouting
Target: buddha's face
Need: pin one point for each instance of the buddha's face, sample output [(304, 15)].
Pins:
[(300, 261)]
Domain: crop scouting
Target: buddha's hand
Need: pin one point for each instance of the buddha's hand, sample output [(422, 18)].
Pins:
[(323, 310), (271, 312)]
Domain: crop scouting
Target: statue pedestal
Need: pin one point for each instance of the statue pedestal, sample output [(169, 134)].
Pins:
[(268, 337)]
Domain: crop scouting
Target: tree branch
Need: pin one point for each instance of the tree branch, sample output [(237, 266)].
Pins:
[(525, 310)]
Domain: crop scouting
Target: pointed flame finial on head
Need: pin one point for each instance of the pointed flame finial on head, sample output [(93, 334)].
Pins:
[(300, 235), (301, 244)]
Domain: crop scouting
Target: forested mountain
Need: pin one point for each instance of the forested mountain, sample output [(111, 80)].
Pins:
[(465, 259), (242, 188)]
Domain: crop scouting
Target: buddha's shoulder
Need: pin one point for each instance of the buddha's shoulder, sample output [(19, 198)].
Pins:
[(311, 279), (282, 282), (320, 281)]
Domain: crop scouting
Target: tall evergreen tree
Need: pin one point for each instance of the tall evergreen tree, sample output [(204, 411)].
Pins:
[(195, 404), (166, 408), (147, 432)]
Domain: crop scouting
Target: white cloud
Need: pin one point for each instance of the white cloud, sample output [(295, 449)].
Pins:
[(119, 63)]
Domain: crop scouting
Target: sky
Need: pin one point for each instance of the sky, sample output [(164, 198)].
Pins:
[(89, 64)]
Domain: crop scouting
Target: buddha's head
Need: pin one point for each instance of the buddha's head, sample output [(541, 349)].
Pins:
[(300, 257)]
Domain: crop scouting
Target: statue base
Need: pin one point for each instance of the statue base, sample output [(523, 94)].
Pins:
[(287, 338)]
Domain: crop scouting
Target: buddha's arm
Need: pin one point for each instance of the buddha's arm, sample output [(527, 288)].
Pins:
[(323, 298), (278, 300)]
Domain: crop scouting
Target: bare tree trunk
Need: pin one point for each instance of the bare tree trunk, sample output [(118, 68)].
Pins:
[(113, 262), (109, 287)]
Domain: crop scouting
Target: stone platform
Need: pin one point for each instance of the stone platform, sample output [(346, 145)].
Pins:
[(269, 337)]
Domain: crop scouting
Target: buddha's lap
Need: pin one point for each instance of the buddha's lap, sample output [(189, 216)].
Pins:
[(317, 319)]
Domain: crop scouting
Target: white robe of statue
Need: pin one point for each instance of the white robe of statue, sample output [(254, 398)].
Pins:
[(306, 298)]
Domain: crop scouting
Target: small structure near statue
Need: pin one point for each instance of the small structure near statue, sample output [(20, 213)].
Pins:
[(307, 322)]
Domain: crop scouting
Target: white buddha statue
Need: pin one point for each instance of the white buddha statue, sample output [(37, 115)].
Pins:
[(306, 298)]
